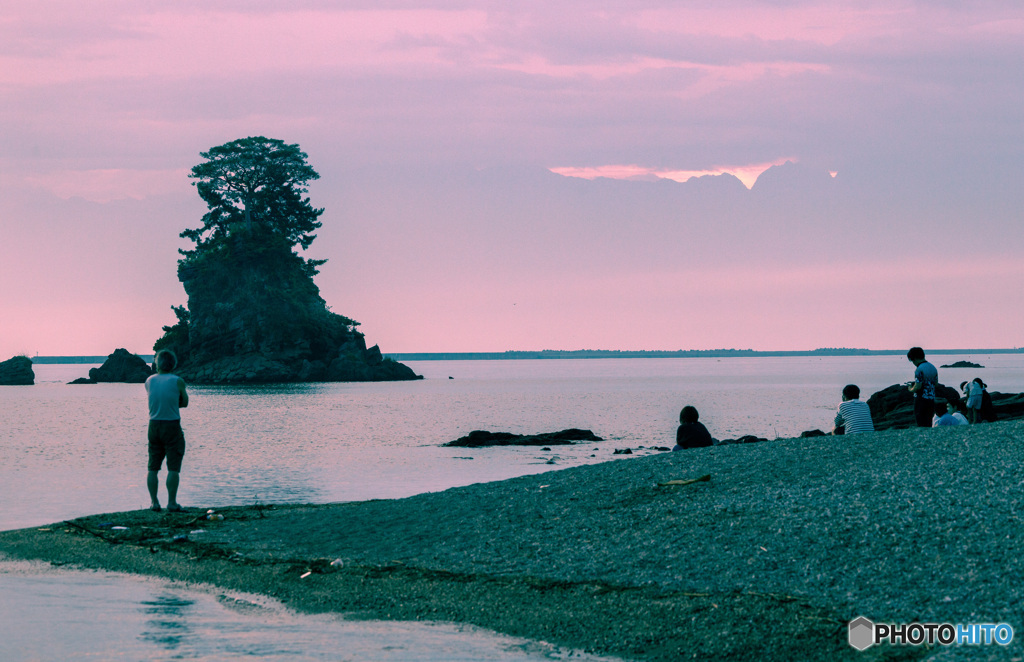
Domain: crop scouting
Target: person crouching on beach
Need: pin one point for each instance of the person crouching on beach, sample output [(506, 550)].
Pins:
[(853, 415), (166, 395), (691, 433), (946, 413)]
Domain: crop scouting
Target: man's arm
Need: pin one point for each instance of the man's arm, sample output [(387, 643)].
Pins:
[(182, 393)]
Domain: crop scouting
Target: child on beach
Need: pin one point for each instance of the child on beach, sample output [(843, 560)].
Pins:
[(691, 433), (946, 413), (853, 415), (973, 393), (987, 412)]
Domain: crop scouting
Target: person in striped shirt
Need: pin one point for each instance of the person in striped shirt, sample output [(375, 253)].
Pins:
[(853, 416)]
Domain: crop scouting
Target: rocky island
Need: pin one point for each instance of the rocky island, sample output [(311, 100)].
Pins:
[(963, 364), (254, 314), (17, 371)]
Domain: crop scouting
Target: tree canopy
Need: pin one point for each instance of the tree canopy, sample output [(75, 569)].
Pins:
[(255, 186)]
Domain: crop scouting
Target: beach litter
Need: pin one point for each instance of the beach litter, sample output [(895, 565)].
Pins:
[(688, 481)]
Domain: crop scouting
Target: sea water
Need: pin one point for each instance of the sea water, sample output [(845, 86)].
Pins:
[(67, 451)]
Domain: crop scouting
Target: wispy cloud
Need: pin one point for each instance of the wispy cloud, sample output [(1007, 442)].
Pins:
[(747, 174)]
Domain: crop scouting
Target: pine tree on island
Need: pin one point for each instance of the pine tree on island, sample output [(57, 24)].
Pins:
[(254, 313)]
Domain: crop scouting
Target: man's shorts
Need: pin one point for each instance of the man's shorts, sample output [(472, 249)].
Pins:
[(166, 440), (924, 409)]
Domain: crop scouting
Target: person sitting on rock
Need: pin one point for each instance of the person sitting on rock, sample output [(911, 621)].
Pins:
[(853, 415), (691, 433), (946, 413)]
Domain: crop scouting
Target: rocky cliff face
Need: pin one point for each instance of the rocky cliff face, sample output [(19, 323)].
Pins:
[(17, 371), (255, 315)]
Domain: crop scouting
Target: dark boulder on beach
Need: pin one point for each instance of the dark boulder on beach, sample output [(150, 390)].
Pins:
[(122, 366), (745, 439), (893, 407), (963, 364), (17, 371), (482, 438), (1007, 406)]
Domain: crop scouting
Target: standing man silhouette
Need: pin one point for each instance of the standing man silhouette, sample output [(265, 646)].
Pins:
[(166, 395)]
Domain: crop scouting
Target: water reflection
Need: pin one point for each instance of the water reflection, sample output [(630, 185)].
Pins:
[(168, 624), (53, 615)]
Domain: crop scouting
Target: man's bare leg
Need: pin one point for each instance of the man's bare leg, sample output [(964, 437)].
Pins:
[(152, 482), (172, 490)]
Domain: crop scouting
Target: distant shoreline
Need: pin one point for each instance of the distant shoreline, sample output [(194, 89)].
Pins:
[(670, 354), (521, 355), (81, 359)]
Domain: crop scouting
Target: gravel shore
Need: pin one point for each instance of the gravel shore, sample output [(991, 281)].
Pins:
[(769, 559)]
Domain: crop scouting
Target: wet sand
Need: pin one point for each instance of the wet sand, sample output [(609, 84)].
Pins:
[(786, 543)]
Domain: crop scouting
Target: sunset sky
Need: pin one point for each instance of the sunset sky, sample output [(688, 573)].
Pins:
[(533, 175)]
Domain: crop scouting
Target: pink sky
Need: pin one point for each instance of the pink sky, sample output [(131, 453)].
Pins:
[(511, 175)]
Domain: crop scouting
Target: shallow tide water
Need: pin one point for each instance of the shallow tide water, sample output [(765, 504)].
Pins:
[(67, 451)]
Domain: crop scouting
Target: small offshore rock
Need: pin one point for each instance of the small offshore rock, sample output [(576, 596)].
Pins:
[(122, 366), (17, 371), (481, 438)]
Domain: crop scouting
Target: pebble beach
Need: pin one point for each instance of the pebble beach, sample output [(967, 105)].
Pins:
[(769, 558)]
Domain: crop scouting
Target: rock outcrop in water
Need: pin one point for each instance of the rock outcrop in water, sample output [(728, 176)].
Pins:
[(254, 314), (121, 366), (963, 364), (17, 371), (482, 438)]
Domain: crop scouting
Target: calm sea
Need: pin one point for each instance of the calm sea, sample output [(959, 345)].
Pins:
[(67, 451)]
